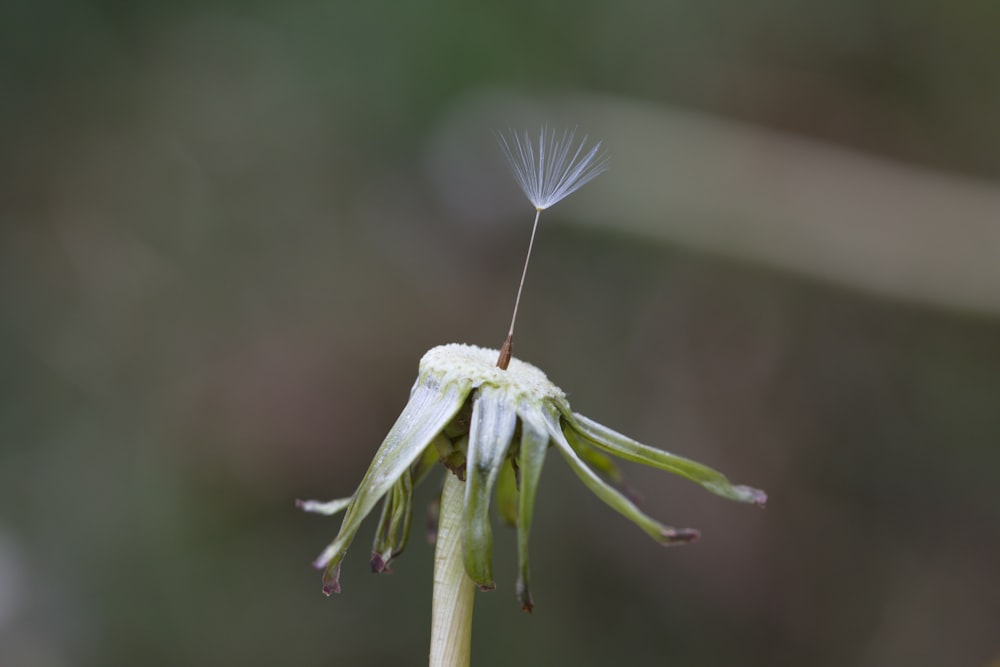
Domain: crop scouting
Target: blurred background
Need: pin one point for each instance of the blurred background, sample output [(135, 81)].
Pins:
[(229, 230)]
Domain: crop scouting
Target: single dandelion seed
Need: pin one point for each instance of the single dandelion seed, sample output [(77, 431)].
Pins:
[(557, 171)]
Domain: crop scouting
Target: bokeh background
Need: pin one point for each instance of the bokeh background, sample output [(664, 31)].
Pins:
[(229, 230)]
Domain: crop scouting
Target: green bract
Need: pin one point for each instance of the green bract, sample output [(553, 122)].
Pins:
[(492, 428)]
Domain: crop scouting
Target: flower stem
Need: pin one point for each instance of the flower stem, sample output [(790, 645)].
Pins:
[(451, 610), (507, 350)]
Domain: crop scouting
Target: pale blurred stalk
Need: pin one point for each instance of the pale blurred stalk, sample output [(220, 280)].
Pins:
[(895, 229)]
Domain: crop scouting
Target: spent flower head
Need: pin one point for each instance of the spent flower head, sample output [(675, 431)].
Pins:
[(492, 428)]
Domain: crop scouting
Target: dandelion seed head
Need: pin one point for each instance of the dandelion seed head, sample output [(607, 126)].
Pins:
[(555, 167), (477, 420)]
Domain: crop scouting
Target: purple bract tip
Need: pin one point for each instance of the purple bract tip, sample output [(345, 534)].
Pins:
[(377, 563)]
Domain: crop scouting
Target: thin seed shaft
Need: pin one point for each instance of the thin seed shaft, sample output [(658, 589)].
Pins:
[(507, 349)]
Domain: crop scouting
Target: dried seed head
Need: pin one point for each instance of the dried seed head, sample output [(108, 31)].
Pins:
[(514, 417)]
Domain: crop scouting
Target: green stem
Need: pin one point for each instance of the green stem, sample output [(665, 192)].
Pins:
[(451, 611)]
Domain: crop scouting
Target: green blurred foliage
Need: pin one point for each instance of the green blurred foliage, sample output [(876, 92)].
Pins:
[(220, 260)]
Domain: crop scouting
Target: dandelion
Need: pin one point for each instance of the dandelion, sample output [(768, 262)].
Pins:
[(545, 181), (465, 412), (490, 425)]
